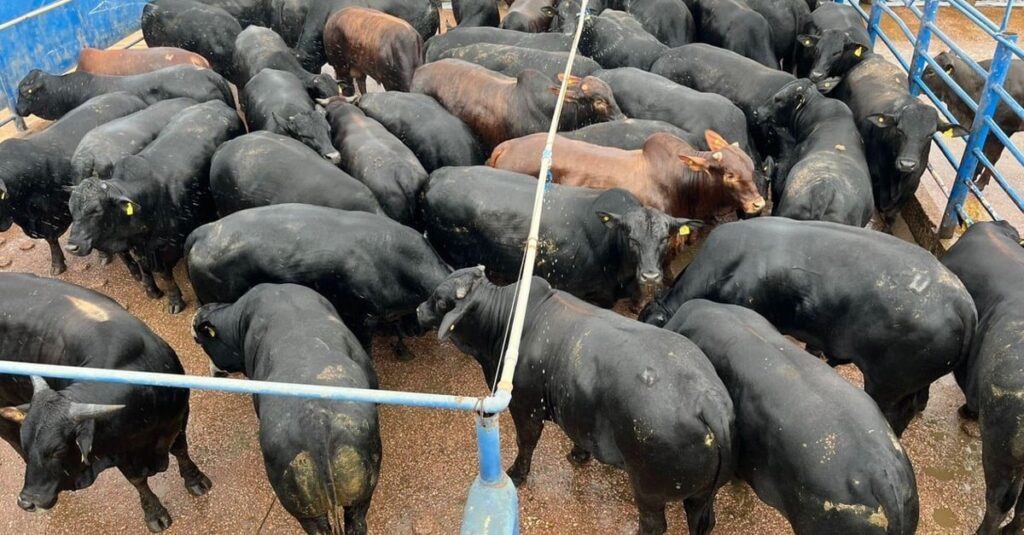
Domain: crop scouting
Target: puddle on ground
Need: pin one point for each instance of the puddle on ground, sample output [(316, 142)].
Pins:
[(944, 518), (940, 473)]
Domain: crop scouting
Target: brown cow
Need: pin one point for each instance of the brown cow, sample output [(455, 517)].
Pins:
[(125, 62), (532, 16), (667, 173), (361, 41), (498, 107)]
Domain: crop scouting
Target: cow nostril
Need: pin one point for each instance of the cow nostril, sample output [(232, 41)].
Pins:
[(71, 247), (650, 276), (816, 75), (26, 505), (906, 164)]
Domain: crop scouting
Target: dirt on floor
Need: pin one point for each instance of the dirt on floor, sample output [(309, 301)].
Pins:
[(429, 456)]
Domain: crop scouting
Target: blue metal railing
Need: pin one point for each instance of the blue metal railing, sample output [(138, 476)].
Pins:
[(992, 96)]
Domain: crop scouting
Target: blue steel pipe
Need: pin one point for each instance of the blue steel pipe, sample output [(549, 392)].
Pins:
[(924, 39), (495, 403), (873, 20)]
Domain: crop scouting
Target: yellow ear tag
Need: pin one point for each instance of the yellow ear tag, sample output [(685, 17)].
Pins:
[(210, 332), (3, 195), (684, 230), (949, 70), (129, 209), (948, 133), (605, 218), (881, 120), (859, 51), (452, 327)]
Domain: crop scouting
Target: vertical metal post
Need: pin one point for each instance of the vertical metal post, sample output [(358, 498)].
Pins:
[(19, 123), (493, 505), (924, 39), (1006, 15), (979, 132), (874, 20)]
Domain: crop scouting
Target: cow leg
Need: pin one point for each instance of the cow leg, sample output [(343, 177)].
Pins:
[(700, 513), (652, 514), (578, 456), (348, 87), (528, 430), (57, 263), (157, 518), (361, 82), (175, 302), (402, 352), (104, 258), (131, 265), (316, 526), (196, 481), (1002, 490), (1016, 526), (898, 411), (993, 150), (355, 518)]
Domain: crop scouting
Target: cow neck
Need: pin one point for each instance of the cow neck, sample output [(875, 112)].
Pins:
[(689, 193), (66, 93)]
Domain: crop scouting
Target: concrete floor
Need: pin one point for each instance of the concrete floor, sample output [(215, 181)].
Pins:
[(429, 456)]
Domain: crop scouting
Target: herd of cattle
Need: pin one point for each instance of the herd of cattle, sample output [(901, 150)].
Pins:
[(337, 217)]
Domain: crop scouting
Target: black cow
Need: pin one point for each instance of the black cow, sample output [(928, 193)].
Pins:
[(264, 168), (734, 26), (50, 96), (206, 30), (896, 127), (287, 17), (372, 269), (472, 13), (669, 21), (436, 137), (643, 95), (511, 60), (258, 48), (105, 145), (599, 245), (973, 84), (36, 170), (155, 198), (320, 455), (825, 175), (841, 469), (68, 432), (635, 397), (989, 259), (378, 159), (421, 14), (437, 45), (834, 41), (275, 101), (902, 318), (786, 18), (743, 81), (615, 39), (632, 134), (247, 12)]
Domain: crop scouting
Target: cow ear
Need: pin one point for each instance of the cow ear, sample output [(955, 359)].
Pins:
[(548, 11), (13, 414), (715, 141), (321, 110), (951, 130), (695, 163), (573, 80), (683, 226), (807, 40), (84, 438), (451, 319), (609, 219), (128, 206), (881, 120)]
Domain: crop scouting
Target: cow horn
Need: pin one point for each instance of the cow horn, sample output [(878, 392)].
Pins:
[(39, 384), (80, 412), (460, 292), (717, 156)]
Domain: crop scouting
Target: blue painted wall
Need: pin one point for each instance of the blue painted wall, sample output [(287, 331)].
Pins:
[(51, 41)]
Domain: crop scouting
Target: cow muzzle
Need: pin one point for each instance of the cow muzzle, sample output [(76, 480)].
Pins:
[(906, 165), (650, 277), (78, 249), (754, 208), (333, 157), (32, 505), (5, 224)]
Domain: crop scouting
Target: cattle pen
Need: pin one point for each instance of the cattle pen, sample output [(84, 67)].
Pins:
[(439, 467)]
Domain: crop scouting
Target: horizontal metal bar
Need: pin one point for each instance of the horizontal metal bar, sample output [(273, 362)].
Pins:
[(976, 16), (899, 22), (946, 151), (960, 93), (895, 52), (135, 42), (7, 120), (32, 14), (936, 100), (1008, 100), (973, 188), (491, 404), (978, 69), (1005, 139)]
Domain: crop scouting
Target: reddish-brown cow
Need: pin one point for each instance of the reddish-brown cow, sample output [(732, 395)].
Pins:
[(361, 41), (667, 173), (532, 16), (498, 108), (126, 62)]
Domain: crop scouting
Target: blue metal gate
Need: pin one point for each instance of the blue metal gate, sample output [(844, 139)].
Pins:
[(993, 94)]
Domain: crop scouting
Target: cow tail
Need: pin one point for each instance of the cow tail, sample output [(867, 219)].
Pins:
[(496, 155), (899, 508), (718, 419)]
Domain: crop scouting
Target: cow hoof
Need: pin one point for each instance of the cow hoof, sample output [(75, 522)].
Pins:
[(402, 354), (154, 292), (176, 307), (578, 457), (105, 259), (517, 478), (57, 269), (159, 522), (971, 428), (199, 485), (966, 413)]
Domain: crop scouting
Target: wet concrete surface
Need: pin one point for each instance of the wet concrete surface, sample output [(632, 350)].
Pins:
[(429, 456)]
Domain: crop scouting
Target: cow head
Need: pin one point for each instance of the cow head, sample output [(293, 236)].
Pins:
[(735, 169), (655, 313), (781, 107), (450, 301), (910, 131), (212, 329), (31, 91), (57, 436), (646, 234), (834, 52), (565, 16), (311, 128), (593, 98), (322, 86), (103, 215), (5, 211)]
